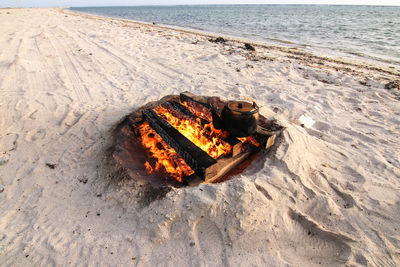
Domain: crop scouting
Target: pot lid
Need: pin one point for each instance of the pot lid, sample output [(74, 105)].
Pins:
[(242, 107)]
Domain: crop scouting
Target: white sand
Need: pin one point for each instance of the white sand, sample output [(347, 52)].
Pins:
[(328, 195)]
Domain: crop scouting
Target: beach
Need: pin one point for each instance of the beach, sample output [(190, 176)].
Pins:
[(327, 194)]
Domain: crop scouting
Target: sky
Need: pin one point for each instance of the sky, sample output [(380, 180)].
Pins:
[(76, 3)]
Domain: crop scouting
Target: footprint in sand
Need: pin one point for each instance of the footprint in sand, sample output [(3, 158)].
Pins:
[(8, 142), (306, 240), (70, 120), (35, 134), (210, 240)]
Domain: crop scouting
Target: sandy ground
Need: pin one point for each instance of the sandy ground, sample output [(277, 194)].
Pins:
[(327, 195)]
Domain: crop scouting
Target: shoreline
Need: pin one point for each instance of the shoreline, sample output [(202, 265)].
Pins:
[(314, 52), (296, 53), (327, 194)]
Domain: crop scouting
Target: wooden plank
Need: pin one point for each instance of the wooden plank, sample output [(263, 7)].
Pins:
[(270, 142), (196, 158), (271, 135), (217, 171)]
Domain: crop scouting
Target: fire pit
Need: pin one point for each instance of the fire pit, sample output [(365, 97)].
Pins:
[(174, 140)]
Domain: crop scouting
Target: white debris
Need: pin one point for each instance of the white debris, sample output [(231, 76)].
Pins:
[(306, 121)]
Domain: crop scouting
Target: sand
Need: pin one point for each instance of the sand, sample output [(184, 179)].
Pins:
[(326, 195)]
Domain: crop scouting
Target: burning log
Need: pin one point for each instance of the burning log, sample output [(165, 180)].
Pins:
[(196, 158), (187, 96), (232, 141), (173, 105)]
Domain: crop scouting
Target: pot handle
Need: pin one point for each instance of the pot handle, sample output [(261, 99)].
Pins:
[(217, 121)]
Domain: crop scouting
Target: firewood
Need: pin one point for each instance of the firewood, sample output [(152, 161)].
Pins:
[(185, 96), (196, 158)]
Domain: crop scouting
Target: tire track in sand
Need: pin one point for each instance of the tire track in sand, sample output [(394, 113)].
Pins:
[(73, 79)]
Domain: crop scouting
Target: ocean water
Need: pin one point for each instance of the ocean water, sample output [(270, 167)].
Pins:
[(366, 32)]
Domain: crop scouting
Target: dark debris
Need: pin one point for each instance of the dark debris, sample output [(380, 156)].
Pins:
[(51, 165)]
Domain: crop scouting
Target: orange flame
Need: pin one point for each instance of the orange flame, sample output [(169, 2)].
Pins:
[(166, 157), (199, 110), (205, 137), (249, 139)]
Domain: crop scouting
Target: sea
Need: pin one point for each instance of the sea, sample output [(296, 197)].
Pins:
[(369, 33)]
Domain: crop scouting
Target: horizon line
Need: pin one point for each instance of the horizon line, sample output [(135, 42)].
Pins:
[(305, 4), (172, 5)]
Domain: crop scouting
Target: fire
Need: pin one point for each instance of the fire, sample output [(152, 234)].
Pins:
[(249, 139), (198, 110), (205, 137), (166, 157)]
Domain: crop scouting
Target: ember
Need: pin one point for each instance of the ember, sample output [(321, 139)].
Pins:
[(249, 139), (198, 110)]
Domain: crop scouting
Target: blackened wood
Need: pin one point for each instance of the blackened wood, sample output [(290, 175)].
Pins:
[(263, 131), (270, 135), (187, 96), (183, 110), (196, 158)]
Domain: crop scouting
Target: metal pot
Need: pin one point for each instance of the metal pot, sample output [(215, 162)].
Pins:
[(239, 118)]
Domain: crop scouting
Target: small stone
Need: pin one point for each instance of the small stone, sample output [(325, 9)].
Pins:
[(249, 47), (98, 195), (1, 188), (192, 244)]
